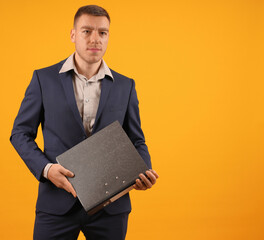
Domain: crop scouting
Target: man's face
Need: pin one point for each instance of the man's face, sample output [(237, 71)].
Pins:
[(90, 35)]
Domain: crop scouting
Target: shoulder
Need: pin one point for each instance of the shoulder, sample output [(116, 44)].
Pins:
[(50, 70), (121, 78)]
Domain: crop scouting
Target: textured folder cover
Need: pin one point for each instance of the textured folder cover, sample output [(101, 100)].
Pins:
[(105, 165)]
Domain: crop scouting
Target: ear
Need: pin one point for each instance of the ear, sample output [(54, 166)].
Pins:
[(73, 35)]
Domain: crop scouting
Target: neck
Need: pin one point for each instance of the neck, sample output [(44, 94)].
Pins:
[(86, 69)]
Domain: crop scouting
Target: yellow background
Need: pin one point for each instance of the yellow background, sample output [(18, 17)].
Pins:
[(198, 67)]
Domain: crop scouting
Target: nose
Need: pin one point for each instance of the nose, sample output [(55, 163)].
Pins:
[(94, 37)]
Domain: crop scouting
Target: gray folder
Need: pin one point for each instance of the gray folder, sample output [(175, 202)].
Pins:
[(105, 165)]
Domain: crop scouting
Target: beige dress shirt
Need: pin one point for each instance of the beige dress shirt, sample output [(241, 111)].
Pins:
[(87, 94)]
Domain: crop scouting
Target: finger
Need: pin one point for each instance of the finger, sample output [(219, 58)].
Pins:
[(135, 186), (151, 177), (145, 180), (140, 185), (69, 188), (154, 172), (66, 172)]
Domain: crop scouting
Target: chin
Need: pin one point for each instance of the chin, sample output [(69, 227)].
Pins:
[(92, 60)]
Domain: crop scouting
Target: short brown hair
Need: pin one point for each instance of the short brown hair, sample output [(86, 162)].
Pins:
[(93, 10)]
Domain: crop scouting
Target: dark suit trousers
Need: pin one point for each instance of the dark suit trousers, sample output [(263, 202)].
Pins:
[(100, 226)]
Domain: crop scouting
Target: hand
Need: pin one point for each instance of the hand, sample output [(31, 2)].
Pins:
[(146, 182), (57, 175)]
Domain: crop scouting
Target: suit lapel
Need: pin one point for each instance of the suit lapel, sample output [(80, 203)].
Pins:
[(105, 89), (66, 80)]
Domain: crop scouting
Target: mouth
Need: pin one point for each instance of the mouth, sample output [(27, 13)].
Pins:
[(94, 49)]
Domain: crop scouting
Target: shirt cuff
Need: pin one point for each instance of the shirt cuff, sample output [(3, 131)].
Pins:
[(46, 169)]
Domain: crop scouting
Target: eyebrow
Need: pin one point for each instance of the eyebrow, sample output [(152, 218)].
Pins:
[(90, 27)]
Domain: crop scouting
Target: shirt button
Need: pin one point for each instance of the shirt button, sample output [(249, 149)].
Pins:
[(87, 83), (86, 100)]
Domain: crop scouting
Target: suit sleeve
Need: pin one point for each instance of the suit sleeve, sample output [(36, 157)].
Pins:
[(25, 128), (132, 126)]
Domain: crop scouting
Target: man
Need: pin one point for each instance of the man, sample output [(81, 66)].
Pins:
[(73, 100)]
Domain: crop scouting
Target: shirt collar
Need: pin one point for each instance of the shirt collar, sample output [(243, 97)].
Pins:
[(70, 65)]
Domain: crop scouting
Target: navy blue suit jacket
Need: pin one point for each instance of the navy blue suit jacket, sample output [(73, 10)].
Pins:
[(50, 101)]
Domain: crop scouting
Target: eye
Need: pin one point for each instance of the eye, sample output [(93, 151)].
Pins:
[(86, 31), (103, 33)]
